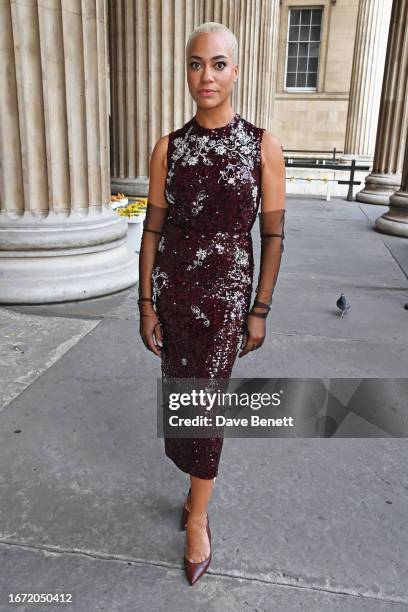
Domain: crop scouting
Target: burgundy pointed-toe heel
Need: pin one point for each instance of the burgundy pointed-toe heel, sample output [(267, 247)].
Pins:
[(185, 513), (194, 571)]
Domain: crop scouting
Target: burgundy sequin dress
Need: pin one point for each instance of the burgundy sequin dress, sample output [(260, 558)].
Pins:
[(203, 274)]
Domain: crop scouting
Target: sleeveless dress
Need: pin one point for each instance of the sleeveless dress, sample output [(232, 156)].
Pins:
[(203, 274)]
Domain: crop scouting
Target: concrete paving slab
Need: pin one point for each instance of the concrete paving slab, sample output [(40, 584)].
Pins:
[(372, 211), (311, 310), (310, 356), (350, 258), (91, 308), (336, 208), (30, 345), (121, 584)]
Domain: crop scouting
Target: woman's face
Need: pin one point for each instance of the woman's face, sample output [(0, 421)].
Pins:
[(210, 70)]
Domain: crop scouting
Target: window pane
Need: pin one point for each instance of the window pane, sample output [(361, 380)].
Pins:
[(292, 64), (294, 33), (292, 49), (315, 33), (304, 33), (316, 16), (302, 64), (303, 48), (311, 79), (314, 50), (301, 79), (294, 16)]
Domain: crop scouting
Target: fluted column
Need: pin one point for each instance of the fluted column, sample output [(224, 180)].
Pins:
[(385, 177), (59, 238), (149, 92), (367, 73), (395, 220), (255, 24)]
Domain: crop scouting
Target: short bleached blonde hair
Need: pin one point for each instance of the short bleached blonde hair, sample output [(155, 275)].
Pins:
[(209, 27)]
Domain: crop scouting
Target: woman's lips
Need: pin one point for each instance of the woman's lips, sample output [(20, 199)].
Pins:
[(206, 93)]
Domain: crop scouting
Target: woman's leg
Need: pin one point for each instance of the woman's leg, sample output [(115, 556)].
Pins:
[(197, 544), (187, 503)]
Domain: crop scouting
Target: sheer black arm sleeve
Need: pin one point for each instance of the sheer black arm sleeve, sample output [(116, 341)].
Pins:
[(152, 231), (271, 225)]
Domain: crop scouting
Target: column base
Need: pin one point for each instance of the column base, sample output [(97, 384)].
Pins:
[(62, 257), (378, 188), (395, 220)]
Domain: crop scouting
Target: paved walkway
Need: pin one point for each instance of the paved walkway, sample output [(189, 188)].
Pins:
[(90, 505)]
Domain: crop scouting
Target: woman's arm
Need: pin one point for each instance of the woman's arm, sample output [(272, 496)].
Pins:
[(271, 225), (156, 213), (271, 219)]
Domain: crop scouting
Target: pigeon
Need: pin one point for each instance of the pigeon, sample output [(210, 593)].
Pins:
[(343, 305)]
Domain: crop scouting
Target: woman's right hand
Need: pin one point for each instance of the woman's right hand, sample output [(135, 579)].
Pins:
[(150, 331)]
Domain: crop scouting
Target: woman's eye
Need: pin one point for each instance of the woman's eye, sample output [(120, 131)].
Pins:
[(194, 64)]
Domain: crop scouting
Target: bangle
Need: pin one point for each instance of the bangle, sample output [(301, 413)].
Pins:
[(263, 315), (261, 304), (258, 304)]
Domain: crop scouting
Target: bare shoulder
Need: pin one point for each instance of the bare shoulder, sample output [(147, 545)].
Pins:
[(271, 148), (159, 154)]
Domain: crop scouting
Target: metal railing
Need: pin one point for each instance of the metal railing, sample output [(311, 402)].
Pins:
[(332, 152), (315, 162)]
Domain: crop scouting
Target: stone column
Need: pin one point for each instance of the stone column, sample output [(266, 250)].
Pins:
[(385, 177), (255, 24), (59, 238), (149, 92), (367, 73), (395, 220)]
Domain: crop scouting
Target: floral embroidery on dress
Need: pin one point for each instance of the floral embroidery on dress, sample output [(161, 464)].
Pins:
[(254, 193), (160, 246), (241, 256), (241, 146), (169, 196), (200, 315), (201, 254), (159, 280), (197, 203)]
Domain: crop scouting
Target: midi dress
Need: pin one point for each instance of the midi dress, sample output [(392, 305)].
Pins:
[(203, 274)]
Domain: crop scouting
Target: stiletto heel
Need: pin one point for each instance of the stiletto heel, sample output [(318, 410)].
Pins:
[(194, 571), (185, 513)]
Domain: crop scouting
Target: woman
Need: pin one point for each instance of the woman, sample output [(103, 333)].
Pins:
[(196, 260)]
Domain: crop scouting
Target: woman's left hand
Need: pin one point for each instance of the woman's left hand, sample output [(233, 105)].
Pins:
[(254, 335)]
